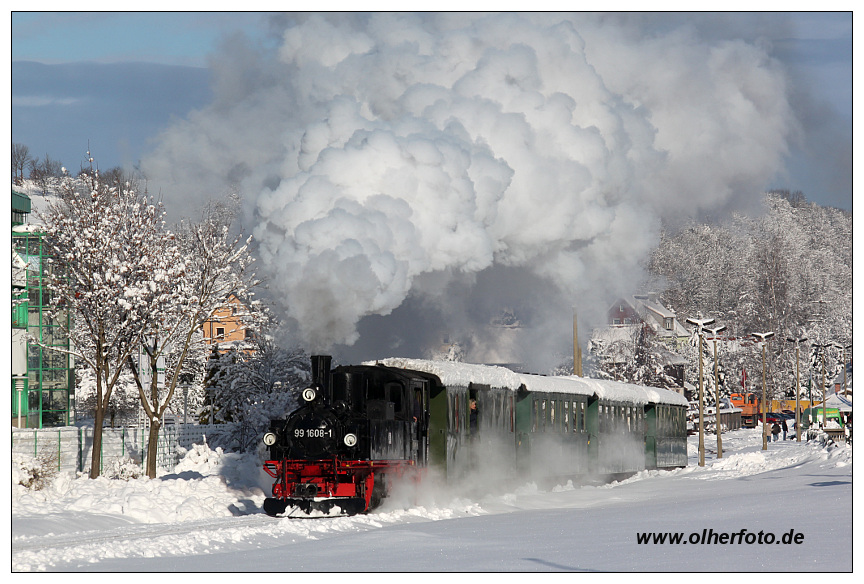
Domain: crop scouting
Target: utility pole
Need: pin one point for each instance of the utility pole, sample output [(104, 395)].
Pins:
[(700, 324), (797, 385), (577, 351), (763, 337), (844, 349), (717, 427)]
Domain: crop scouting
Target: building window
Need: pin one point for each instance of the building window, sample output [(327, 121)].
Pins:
[(667, 323), (220, 333)]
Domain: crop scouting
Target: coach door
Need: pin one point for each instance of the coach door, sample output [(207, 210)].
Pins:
[(419, 391)]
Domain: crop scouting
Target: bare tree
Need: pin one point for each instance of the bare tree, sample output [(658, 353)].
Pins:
[(46, 173), (20, 161)]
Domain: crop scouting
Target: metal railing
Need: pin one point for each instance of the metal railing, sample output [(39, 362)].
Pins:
[(73, 446)]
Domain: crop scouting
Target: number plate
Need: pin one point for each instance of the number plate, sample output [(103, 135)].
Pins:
[(312, 433)]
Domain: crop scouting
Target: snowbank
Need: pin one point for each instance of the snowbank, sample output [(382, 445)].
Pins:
[(206, 516), (205, 484)]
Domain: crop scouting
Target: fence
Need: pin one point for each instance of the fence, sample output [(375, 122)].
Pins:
[(74, 446)]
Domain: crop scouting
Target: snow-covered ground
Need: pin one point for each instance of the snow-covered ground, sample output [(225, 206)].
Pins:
[(206, 516)]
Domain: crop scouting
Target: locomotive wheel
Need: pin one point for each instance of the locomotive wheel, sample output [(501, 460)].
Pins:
[(274, 507), (379, 491)]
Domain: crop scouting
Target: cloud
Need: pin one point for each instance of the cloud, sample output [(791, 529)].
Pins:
[(388, 157), (43, 100)]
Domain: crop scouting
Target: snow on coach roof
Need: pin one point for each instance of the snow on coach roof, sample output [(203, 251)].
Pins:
[(452, 373)]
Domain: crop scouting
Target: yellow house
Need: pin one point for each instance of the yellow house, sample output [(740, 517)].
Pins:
[(227, 324)]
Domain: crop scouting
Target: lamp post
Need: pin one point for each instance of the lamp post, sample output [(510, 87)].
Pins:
[(797, 385), (185, 388), (700, 324), (764, 337), (717, 428), (822, 347)]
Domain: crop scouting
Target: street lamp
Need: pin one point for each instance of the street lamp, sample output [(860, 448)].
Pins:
[(717, 429), (822, 348), (700, 324), (764, 337), (797, 385)]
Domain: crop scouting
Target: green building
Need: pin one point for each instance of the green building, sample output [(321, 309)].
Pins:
[(43, 378)]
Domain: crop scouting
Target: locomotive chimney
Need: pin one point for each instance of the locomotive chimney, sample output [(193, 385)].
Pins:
[(321, 373)]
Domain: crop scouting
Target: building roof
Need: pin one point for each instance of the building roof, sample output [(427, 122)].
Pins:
[(20, 202), (653, 313)]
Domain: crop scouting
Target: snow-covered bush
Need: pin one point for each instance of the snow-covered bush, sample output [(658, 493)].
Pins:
[(34, 473), (123, 469)]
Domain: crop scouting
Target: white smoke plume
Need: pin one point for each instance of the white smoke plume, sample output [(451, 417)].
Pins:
[(441, 167)]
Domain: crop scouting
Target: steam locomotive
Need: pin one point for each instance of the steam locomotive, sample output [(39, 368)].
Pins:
[(363, 428)]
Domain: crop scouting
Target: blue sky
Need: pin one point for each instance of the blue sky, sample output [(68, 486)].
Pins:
[(183, 38), (815, 46)]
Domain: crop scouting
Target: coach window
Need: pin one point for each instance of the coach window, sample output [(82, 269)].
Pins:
[(375, 391), (543, 415), (576, 406), (535, 406), (566, 416), (581, 416), (394, 391), (453, 412)]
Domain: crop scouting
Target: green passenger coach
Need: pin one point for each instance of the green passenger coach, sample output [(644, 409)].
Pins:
[(543, 426)]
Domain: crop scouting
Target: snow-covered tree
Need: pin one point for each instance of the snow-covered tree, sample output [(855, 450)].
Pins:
[(124, 405), (788, 270), (218, 266), (111, 262), (250, 389), (631, 354)]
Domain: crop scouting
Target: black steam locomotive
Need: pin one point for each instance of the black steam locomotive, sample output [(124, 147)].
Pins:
[(363, 427), (358, 427)]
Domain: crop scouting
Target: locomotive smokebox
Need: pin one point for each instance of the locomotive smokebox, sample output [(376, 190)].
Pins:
[(321, 374)]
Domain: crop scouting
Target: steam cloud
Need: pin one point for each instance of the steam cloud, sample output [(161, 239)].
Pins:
[(441, 167)]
